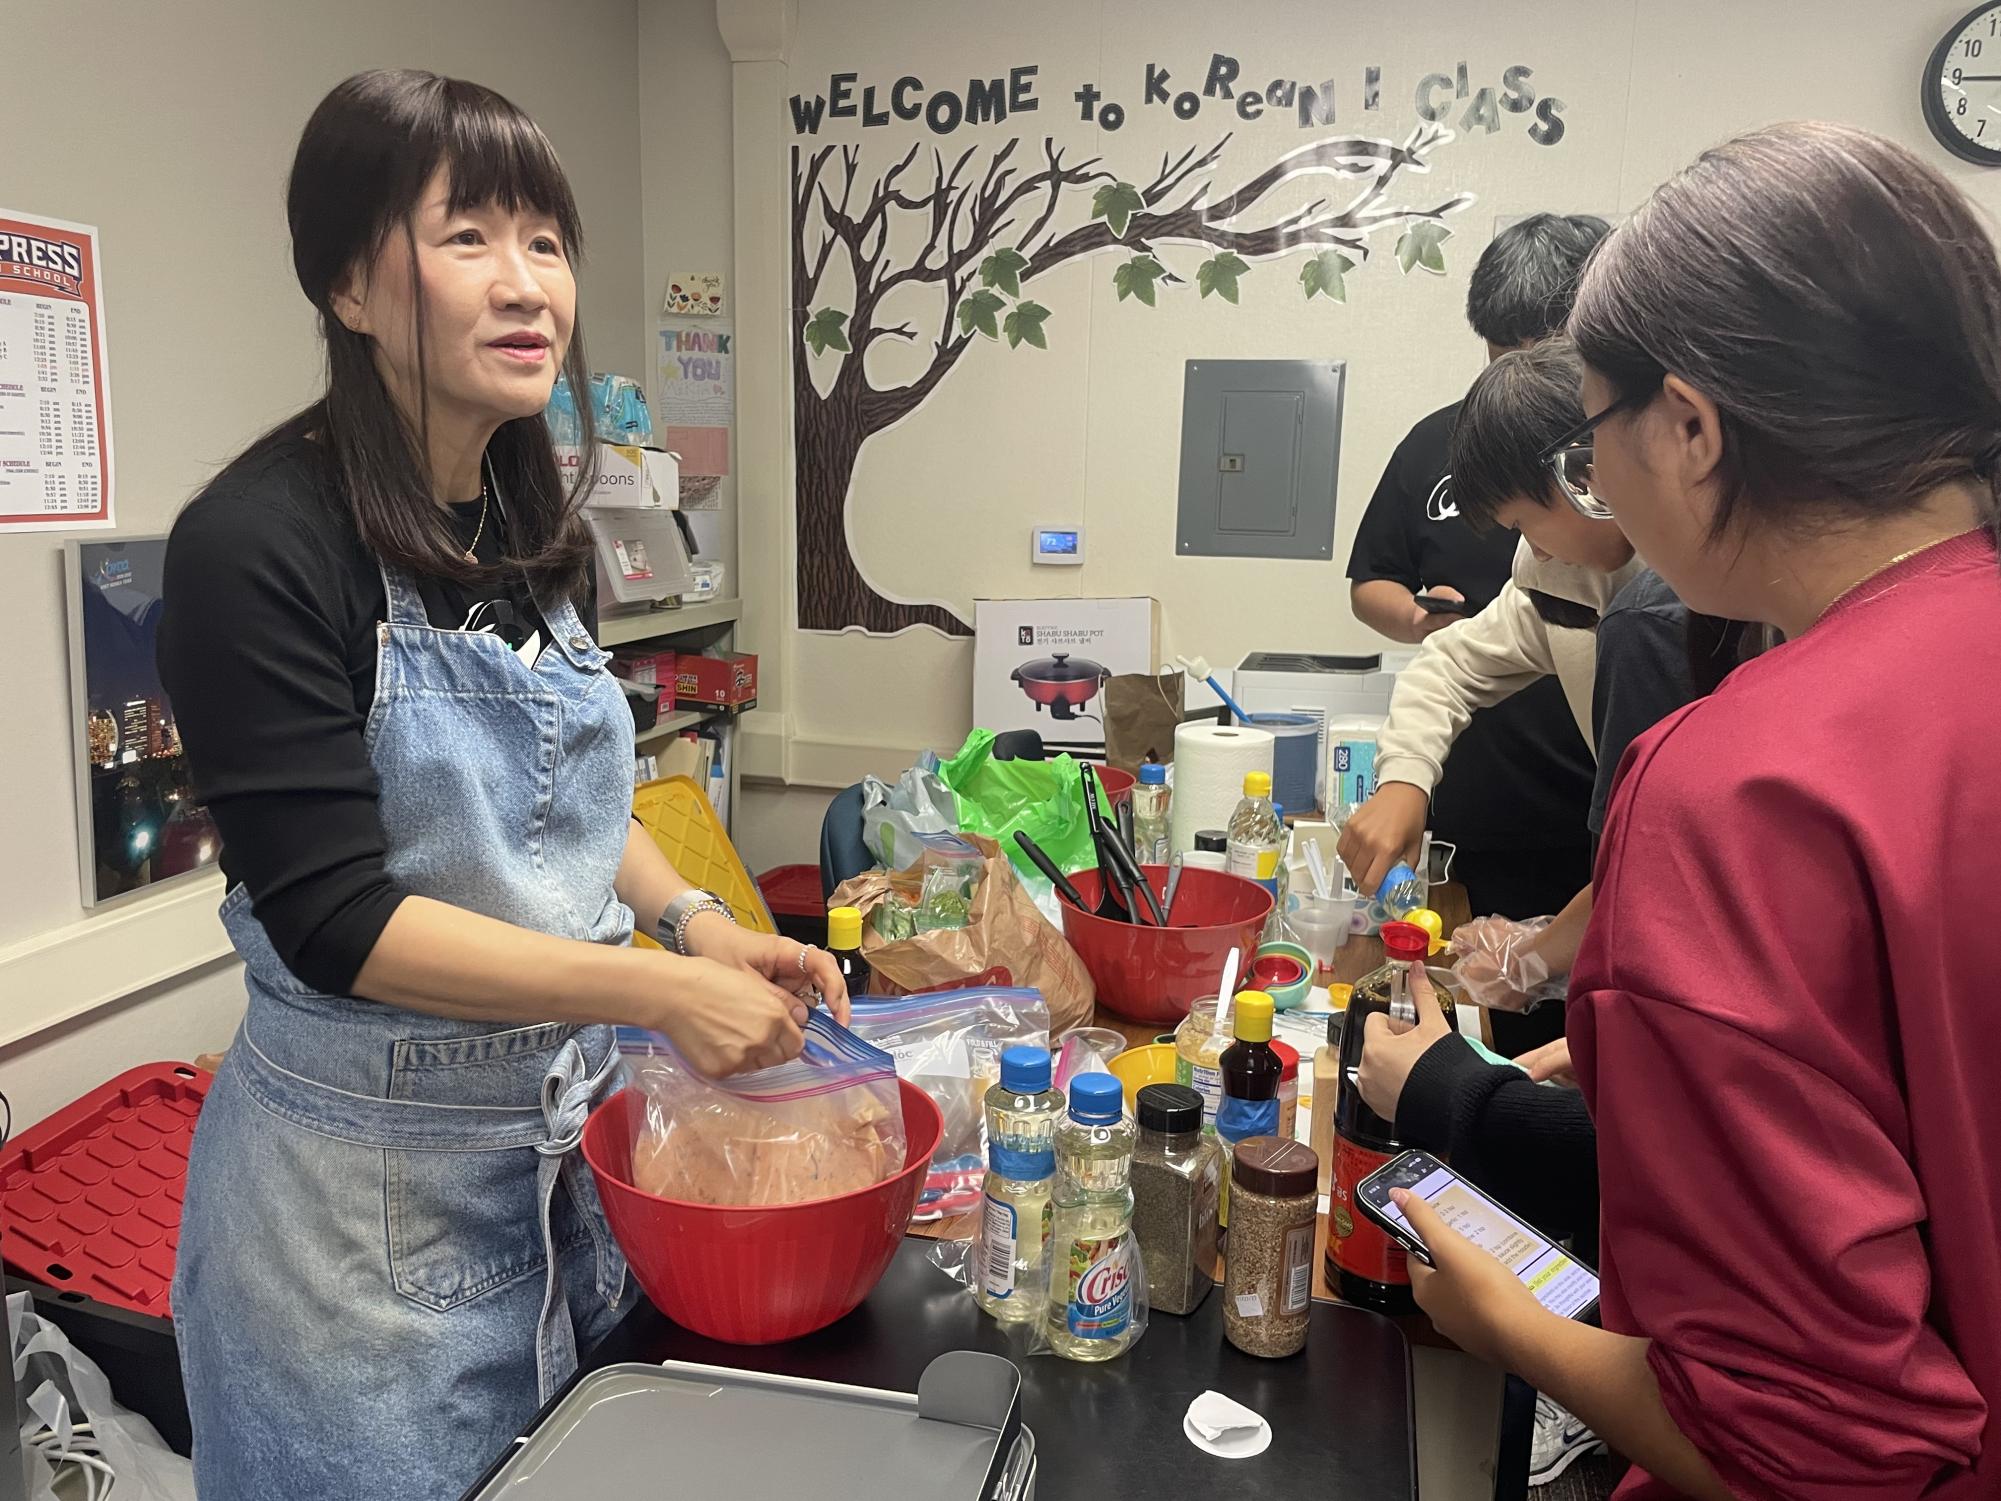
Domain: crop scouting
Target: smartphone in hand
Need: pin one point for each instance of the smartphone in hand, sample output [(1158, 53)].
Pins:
[(1437, 604), (1561, 1283)]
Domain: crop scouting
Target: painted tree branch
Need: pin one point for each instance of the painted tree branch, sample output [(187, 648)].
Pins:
[(967, 218)]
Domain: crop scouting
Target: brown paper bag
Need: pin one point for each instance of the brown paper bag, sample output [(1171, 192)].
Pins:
[(1141, 712), (1007, 930)]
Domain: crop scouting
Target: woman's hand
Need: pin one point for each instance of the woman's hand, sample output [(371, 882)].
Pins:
[(1550, 1061), (713, 936), (726, 1020), (1472, 1299), (1390, 1049), (1387, 828)]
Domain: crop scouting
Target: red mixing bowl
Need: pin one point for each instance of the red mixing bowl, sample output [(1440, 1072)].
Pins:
[(756, 1276), (1118, 784), (1149, 974)]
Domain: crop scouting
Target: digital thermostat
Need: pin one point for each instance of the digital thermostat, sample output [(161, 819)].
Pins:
[(1056, 545)]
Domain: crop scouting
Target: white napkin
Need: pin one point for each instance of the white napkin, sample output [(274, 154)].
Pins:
[(1229, 1430)]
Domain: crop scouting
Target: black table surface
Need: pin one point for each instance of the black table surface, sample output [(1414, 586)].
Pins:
[(1340, 1411)]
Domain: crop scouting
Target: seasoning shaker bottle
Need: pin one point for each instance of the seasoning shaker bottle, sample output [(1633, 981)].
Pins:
[(1288, 1088), (1268, 1280), (1175, 1177)]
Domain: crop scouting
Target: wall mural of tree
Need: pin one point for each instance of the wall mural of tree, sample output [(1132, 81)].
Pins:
[(988, 234)]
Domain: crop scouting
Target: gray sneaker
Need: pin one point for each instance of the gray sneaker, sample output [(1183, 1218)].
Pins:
[(1560, 1441)]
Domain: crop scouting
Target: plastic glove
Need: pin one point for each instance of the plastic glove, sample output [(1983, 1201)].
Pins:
[(1495, 959)]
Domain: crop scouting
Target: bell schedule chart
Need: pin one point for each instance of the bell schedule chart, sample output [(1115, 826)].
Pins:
[(55, 414)]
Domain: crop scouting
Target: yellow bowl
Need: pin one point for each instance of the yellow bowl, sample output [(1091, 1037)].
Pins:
[(1138, 1067)]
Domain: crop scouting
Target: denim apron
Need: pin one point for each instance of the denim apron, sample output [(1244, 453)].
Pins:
[(391, 1250)]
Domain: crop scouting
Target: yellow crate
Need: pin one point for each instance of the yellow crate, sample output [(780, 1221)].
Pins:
[(676, 813)]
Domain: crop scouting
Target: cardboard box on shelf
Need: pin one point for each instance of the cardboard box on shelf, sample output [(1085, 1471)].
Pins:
[(629, 478), (729, 680), (653, 668), (1041, 664)]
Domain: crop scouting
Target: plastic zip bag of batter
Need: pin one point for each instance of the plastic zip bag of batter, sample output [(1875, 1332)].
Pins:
[(828, 1122)]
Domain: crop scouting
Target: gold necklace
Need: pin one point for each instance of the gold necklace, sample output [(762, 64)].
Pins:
[(472, 549), (1880, 568)]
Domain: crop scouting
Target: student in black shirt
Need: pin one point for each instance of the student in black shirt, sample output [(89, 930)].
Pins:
[(1514, 798)]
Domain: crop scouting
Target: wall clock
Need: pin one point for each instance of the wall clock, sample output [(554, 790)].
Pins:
[(1962, 87)]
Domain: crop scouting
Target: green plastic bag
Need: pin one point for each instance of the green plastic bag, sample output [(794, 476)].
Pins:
[(1042, 798)]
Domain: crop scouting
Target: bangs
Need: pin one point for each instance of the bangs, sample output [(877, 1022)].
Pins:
[(493, 153)]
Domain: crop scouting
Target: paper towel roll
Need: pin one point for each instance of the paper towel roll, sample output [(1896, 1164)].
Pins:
[(1210, 764)]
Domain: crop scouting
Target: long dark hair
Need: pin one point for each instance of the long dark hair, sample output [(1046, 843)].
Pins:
[(362, 165), (1835, 297)]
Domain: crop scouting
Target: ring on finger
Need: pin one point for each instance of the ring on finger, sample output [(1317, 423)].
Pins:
[(805, 952)]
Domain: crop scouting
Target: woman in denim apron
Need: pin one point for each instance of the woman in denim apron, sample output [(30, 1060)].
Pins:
[(391, 1253)]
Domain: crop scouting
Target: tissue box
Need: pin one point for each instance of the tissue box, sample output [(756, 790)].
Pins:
[(729, 680)]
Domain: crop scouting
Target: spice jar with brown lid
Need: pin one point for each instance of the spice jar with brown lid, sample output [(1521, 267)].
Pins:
[(1176, 1175), (1268, 1277)]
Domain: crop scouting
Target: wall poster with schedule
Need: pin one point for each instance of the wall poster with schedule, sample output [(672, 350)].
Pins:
[(55, 388)]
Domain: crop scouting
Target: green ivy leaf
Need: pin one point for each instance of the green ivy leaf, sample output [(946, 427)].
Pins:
[(1135, 278), (823, 331), (1003, 269), (1326, 272), (979, 310), (1219, 275), (1421, 245), (1116, 203), (1024, 325)]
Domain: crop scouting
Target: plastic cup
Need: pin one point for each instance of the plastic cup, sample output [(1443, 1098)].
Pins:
[(1321, 925)]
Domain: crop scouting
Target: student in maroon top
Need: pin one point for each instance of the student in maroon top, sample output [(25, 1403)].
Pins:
[(1783, 1015)]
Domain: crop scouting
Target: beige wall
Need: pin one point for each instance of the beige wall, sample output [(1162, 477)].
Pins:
[(1087, 432), (170, 126)]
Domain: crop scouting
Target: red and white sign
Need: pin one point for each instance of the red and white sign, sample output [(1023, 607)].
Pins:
[(55, 386)]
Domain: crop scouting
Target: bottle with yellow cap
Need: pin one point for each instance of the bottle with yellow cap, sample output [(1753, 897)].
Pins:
[(1257, 837), (844, 942), (1252, 1071)]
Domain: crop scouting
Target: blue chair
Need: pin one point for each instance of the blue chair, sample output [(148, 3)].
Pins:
[(843, 854)]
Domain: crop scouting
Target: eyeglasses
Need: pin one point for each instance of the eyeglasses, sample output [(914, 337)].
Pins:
[(1570, 456)]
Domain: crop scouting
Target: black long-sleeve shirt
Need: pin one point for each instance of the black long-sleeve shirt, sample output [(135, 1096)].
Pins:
[(1531, 1146), (267, 651), (1535, 1148)]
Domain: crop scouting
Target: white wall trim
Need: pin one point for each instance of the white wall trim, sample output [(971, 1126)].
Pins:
[(771, 753), (68, 972)]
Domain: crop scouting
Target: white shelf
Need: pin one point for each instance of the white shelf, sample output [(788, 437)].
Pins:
[(679, 720), (644, 625)]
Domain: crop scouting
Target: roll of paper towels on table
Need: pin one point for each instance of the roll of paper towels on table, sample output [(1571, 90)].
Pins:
[(1210, 764)]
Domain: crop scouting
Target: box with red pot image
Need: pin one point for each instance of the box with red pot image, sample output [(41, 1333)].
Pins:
[(728, 680), (1042, 665)]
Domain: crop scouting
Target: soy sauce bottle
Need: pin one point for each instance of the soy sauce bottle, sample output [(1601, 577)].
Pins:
[(1365, 1266), (1252, 1072), (844, 942)]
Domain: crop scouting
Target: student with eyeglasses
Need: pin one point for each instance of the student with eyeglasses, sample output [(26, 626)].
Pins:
[(1521, 460), (1782, 1013)]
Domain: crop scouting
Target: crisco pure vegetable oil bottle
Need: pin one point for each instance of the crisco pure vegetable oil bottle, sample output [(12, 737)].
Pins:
[(1091, 1247)]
